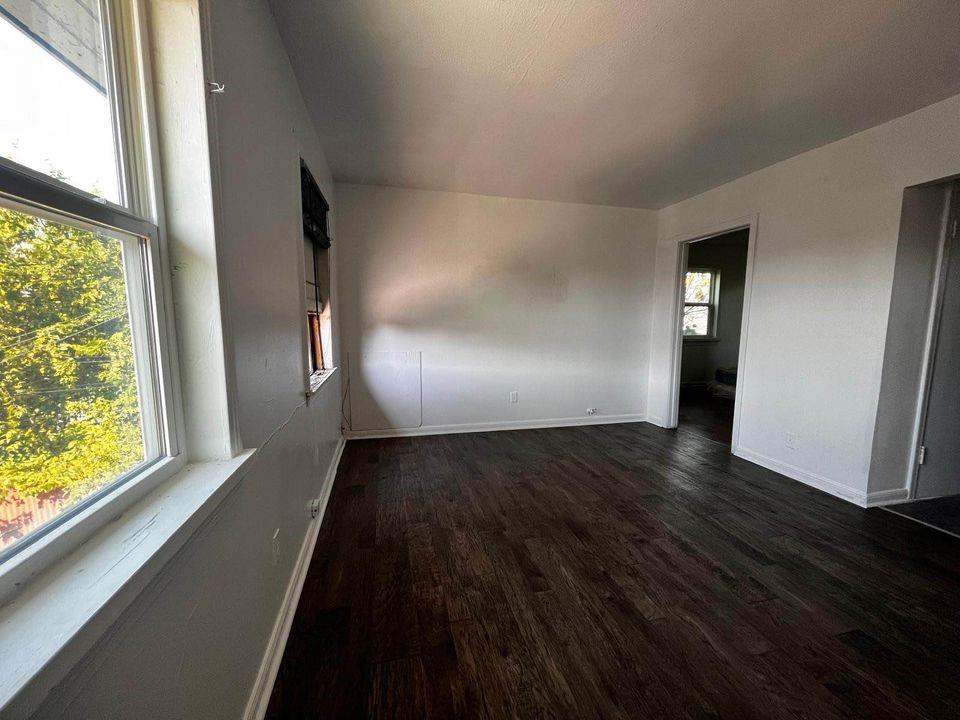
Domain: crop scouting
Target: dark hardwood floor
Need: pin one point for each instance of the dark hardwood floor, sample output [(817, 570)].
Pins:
[(702, 413), (942, 513), (619, 571)]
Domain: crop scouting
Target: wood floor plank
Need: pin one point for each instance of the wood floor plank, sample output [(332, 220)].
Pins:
[(619, 571)]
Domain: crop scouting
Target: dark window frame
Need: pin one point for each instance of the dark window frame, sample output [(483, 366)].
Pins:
[(315, 222)]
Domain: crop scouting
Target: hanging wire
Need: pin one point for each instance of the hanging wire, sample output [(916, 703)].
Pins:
[(66, 390), (24, 338), (65, 337)]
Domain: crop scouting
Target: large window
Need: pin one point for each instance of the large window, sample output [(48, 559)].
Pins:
[(84, 376), (700, 304)]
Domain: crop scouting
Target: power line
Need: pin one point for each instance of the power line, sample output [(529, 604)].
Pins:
[(65, 337), (24, 338), (66, 390)]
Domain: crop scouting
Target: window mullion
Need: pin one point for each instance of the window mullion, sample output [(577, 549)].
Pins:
[(33, 189)]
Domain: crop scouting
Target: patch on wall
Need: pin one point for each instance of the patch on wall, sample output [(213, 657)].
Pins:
[(385, 391)]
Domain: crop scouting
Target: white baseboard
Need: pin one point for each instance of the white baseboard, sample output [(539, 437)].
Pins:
[(495, 426), (267, 674), (844, 492), (887, 497)]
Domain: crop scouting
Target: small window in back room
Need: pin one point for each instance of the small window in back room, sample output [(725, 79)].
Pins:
[(316, 248)]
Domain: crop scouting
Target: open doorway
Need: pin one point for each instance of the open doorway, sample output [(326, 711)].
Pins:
[(935, 491), (714, 280)]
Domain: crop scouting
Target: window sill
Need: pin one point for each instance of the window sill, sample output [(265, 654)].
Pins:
[(317, 381), (694, 339), (75, 599)]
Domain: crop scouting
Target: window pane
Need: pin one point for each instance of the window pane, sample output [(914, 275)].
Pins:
[(70, 420), (696, 320), (57, 112), (697, 289)]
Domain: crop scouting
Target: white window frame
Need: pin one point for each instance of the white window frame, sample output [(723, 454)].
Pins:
[(713, 305), (138, 225)]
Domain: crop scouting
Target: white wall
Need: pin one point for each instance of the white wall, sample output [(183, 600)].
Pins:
[(826, 245), (263, 130), (190, 645), (549, 299)]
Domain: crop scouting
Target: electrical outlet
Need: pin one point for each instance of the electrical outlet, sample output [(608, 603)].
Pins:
[(275, 545), (591, 411), (514, 398), (790, 440)]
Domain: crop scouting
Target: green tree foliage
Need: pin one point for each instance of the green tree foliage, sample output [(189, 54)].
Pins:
[(698, 286), (69, 420)]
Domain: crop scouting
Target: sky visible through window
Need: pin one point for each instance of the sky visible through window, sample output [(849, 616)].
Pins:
[(54, 120)]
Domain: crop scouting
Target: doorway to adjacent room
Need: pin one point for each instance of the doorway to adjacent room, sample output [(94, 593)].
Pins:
[(714, 279)]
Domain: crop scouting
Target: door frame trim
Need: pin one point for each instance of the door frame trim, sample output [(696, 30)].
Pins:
[(751, 223)]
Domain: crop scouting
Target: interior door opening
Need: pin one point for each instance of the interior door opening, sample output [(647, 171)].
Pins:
[(935, 494), (713, 281)]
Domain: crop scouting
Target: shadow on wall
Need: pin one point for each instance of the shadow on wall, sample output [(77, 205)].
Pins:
[(450, 298), (535, 279)]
